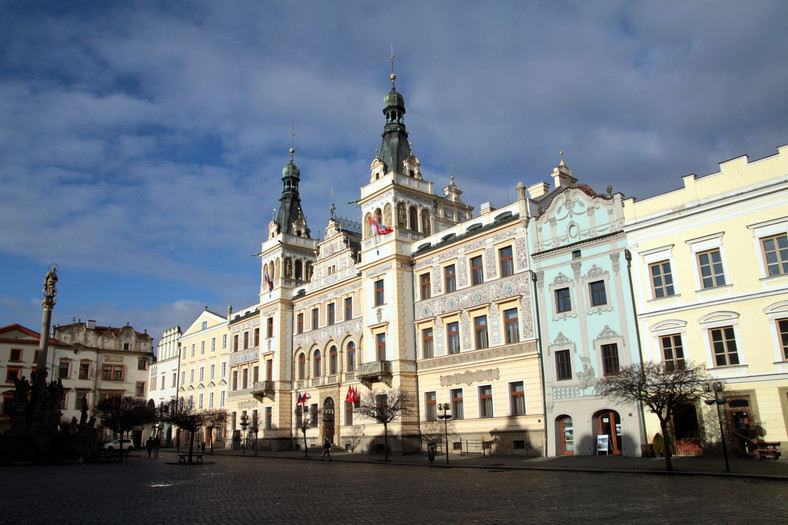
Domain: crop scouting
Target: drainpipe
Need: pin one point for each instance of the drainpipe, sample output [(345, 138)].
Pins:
[(641, 418), (541, 361)]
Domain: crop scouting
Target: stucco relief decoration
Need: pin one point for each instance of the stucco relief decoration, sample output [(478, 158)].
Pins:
[(469, 377), (521, 253), (465, 329), (380, 315), (489, 261), (456, 252), (336, 332), (615, 260), (595, 271), (607, 333), (527, 325), (570, 206), (576, 266), (495, 332), (436, 279), (561, 279), (586, 376), (379, 270), (486, 293), (462, 272)]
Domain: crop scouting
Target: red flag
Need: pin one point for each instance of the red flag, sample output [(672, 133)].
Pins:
[(349, 396), (378, 228)]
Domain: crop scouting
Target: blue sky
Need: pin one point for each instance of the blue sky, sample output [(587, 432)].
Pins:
[(142, 143)]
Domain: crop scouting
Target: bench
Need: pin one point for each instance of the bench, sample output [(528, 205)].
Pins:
[(184, 458), (768, 449)]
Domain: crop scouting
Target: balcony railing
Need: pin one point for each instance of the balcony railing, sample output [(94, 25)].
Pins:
[(261, 387), (374, 372)]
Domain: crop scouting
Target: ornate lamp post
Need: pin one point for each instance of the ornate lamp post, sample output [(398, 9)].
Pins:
[(718, 387), (445, 415), (244, 425)]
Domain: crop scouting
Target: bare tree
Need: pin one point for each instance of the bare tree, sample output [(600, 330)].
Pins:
[(434, 432), (183, 415), (386, 407), (302, 422), (659, 388), (214, 419), (123, 414)]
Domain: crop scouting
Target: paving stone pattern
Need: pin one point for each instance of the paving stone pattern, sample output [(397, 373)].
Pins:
[(240, 490)]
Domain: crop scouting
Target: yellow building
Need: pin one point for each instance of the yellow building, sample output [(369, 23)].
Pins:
[(710, 270)]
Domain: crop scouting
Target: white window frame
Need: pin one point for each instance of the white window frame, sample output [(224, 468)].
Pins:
[(721, 319), (655, 255), (665, 328), (767, 229), (774, 312), (704, 244)]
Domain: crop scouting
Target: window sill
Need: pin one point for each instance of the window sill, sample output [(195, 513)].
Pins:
[(674, 297), (729, 369)]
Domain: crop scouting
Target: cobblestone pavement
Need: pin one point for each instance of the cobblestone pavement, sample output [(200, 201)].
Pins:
[(233, 489)]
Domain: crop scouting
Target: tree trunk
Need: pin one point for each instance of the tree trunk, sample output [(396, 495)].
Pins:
[(385, 442), (306, 449), (121, 446), (191, 446), (210, 429), (663, 423)]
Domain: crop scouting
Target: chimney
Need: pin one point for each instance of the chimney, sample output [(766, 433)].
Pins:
[(538, 189), (91, 324)]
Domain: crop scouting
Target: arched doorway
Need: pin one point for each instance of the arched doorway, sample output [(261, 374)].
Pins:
[(328, 419), (608, 423), (565, 433), (741, 429)]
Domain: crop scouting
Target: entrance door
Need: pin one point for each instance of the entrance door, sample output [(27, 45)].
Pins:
[(328, 419), (740, 422), (566, 433), (609, 423)]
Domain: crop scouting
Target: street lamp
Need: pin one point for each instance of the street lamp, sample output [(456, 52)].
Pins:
[(718, 387), (244, 425), (445, 416)]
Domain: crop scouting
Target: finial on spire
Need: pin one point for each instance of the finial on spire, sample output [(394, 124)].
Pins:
[(393, 76), (377, 153), (292, 142), (411, 147)]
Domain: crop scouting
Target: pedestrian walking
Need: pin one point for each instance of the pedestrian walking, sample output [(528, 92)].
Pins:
[(203, 447), (156, 445), (431, 453), (149, 446), (326, 450)]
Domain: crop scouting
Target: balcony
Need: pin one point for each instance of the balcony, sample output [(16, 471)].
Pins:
[(263, 389), (375, 372)]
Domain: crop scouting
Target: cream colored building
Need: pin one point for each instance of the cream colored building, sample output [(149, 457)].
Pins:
[(710, 267)]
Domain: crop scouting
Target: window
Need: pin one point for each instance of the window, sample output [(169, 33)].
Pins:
[(221, 398), (563, 303), (453, 330), (672, 352), (210, 399), (246, 339), (477, 270), (81, 394), (450, 278), (456, 404), (257, 336), (563, 365), (598, 295), (269, 369), (301, 366), (199, 401), (610, 359), (183, 377), (332, 360), (480, 331), (269, 418), (348, 308), (775, 252), (269, 327), (351, 357), (723, 341), (300, 323), (379, 296), (139, 391), (63, 370), (429, 407), (202, 373), (204, 325), (255, 374), (381, 404), (245, 383), (782, 329), (15, 355), (316, 364), (211, 372), (710, 267), (511, 326), (380, 343), (331, 307), (213, 344), (193, 349), (661, 279), (235, 379), (507, 261), (485, 401), (424, 285), (313, 415), (224, 369), (235, 343), (191, 375), (517, 398), (202, 347), (13, 372), (112, 372), (84, 371), (224, 341), (315, 317), (426, 344), (348, 413)]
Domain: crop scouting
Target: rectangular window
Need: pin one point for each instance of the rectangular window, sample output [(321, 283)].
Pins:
[(348, 413), (380, 340), (507, 261), (269, 327), (221, 398), (139, 391), (202, 373), (300, 323), (456, 404), (15, 355), (782, 329), (235, 343), (379, 296), (331, 307), (235, 379), (429, 406), (598, 295), (193, 349), (81, 394), (710, 266), (563, 365), (112, 372), (269, 369), (257, 336), (210, 399), (211, 372), (12, 373), (450, 278), (453, 331), (348, 308), (199, 401), (191, 375), (480, 331), (661, 279), (63, 370), (477, 270), (511, 326), (775, 252), (224, 341), (610, 359), (517, 398), (224, 369), (255, 374), (269, 418), (246, 339), (245, 383), (426, 344), (313, 415), (315, 318), (424, 285), (485, 401), (563, 303), (672, 352), (202, 347), (213, 344), (183, 377), (381, 404), (724, 342), (153, 381)]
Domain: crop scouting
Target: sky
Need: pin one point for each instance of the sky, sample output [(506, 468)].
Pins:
[(142, 143)]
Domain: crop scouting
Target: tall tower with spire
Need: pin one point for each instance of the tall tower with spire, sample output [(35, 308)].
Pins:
[(395, 148), (290, 217)]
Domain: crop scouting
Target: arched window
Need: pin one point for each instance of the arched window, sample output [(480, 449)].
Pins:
[(316, 361), (379, 216), (301, 366), (351, 356), (299, 270), (414, 219), (332, 360)]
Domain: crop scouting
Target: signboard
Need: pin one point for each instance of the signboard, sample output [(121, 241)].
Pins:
[(601, 444)]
